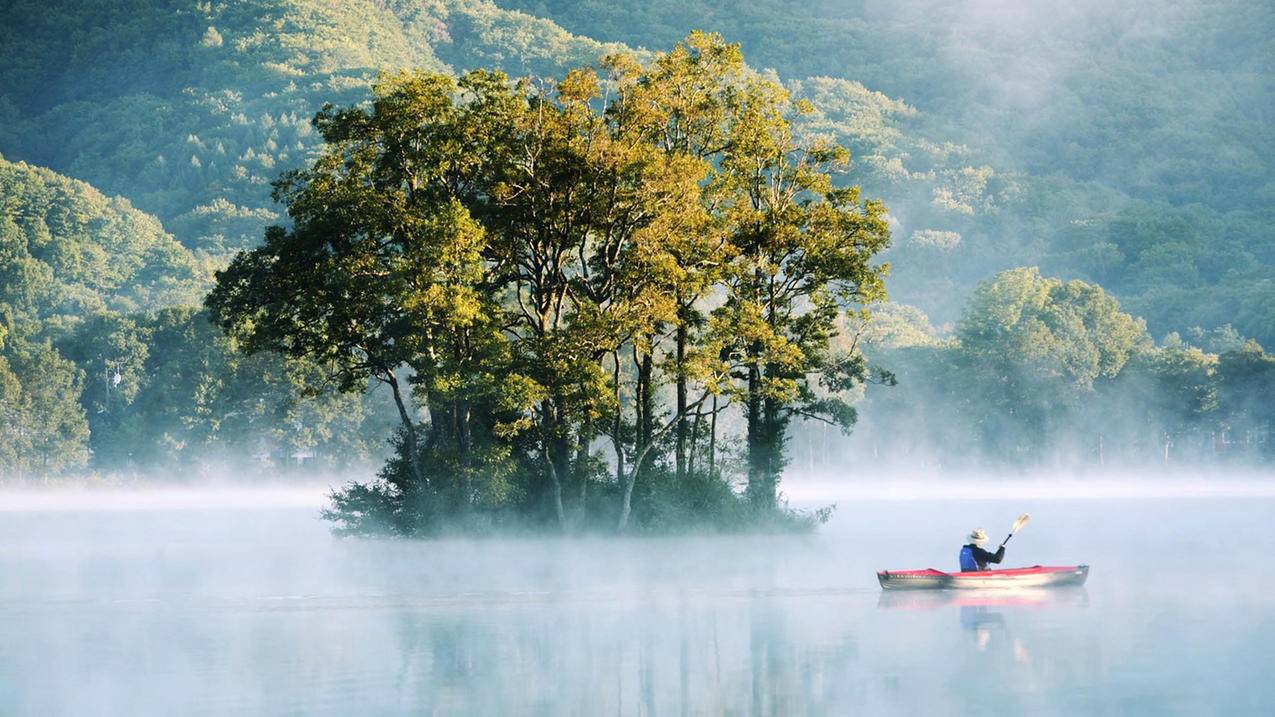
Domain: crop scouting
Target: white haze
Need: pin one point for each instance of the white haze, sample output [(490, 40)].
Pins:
[(801, 488), (151, 497)]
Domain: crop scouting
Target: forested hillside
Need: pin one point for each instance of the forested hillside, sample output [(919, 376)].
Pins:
[(1134, 139), (1159, 99), (68, 251), (191, 110), (1124, 145)]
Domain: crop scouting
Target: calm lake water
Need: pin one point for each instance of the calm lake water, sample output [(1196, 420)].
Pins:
[(177, 611)]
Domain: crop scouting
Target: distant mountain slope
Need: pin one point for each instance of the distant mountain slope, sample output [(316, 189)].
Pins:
[(68, 250), (191, 111), (1143, 95)]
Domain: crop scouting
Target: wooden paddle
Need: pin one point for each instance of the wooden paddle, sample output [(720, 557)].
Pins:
[(1022, 520)]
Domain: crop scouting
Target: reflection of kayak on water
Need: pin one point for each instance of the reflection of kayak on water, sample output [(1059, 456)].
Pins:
[(981, 599), (1034, 577)]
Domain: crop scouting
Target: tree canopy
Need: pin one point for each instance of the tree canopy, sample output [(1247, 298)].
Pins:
[(536, 255)]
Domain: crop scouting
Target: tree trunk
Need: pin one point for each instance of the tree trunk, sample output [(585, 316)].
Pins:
[(712, 440), (690, 454), (409, 430), (582, 469), (643, 440), (640, 458), (680, 428), (756, 441), (769, 460), (550, 449), (619, 421), (556, 487), (646, 410), (627, 502)]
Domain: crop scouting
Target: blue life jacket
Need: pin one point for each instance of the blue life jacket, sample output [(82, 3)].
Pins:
[(968, 564)]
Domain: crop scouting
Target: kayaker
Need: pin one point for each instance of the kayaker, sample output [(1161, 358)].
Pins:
[(974, 558)]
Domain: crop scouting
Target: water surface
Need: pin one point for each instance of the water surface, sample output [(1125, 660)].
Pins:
[(173, 609)]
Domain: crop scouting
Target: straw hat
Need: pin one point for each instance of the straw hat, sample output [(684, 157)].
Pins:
[(978, 536)]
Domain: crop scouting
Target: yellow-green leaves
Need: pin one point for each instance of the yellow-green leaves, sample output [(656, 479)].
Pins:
[(543, 255)]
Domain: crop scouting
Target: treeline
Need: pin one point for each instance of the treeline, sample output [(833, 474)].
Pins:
[(1041, 372), (164, 394), (102, 372), (526, 266)]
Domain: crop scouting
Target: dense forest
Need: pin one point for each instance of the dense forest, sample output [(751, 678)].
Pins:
[(1079, 200)]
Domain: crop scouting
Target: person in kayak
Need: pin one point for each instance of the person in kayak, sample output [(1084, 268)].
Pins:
[(974, 558)]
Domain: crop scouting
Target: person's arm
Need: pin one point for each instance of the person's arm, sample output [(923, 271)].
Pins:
[(985, 557)]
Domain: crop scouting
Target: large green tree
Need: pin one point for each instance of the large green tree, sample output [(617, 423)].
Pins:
[(1246, 396), (1032, 348), (379, 273), (529, 253)]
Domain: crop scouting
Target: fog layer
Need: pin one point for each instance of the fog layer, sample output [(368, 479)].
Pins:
[(232, 611)]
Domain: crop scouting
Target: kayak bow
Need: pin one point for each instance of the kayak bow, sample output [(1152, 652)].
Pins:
[(1033, 577)]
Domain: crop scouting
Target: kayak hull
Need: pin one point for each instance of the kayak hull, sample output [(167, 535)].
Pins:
[(1037, 576)]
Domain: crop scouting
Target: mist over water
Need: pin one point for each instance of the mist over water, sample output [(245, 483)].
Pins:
[(146, 604)]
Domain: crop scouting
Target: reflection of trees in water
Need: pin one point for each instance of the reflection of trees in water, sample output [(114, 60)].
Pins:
[(797, 668), (735, 655)]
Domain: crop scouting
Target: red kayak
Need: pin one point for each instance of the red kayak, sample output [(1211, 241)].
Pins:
[(1034, 577)]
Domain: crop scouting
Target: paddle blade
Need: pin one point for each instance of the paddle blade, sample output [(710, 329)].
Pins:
[(1022, 520)]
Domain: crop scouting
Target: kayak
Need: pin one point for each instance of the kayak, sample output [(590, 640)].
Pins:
[(1034, 577)]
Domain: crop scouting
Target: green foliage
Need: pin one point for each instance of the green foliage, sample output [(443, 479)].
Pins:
[(1246, 395), (1070, 331), (1087, 96), (196, 108), (43, 431), (95, 368), (1033, 348), (1176, 385), (67, 251), (167, 390), (1025, 382), (893, 326), (507, 243)]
